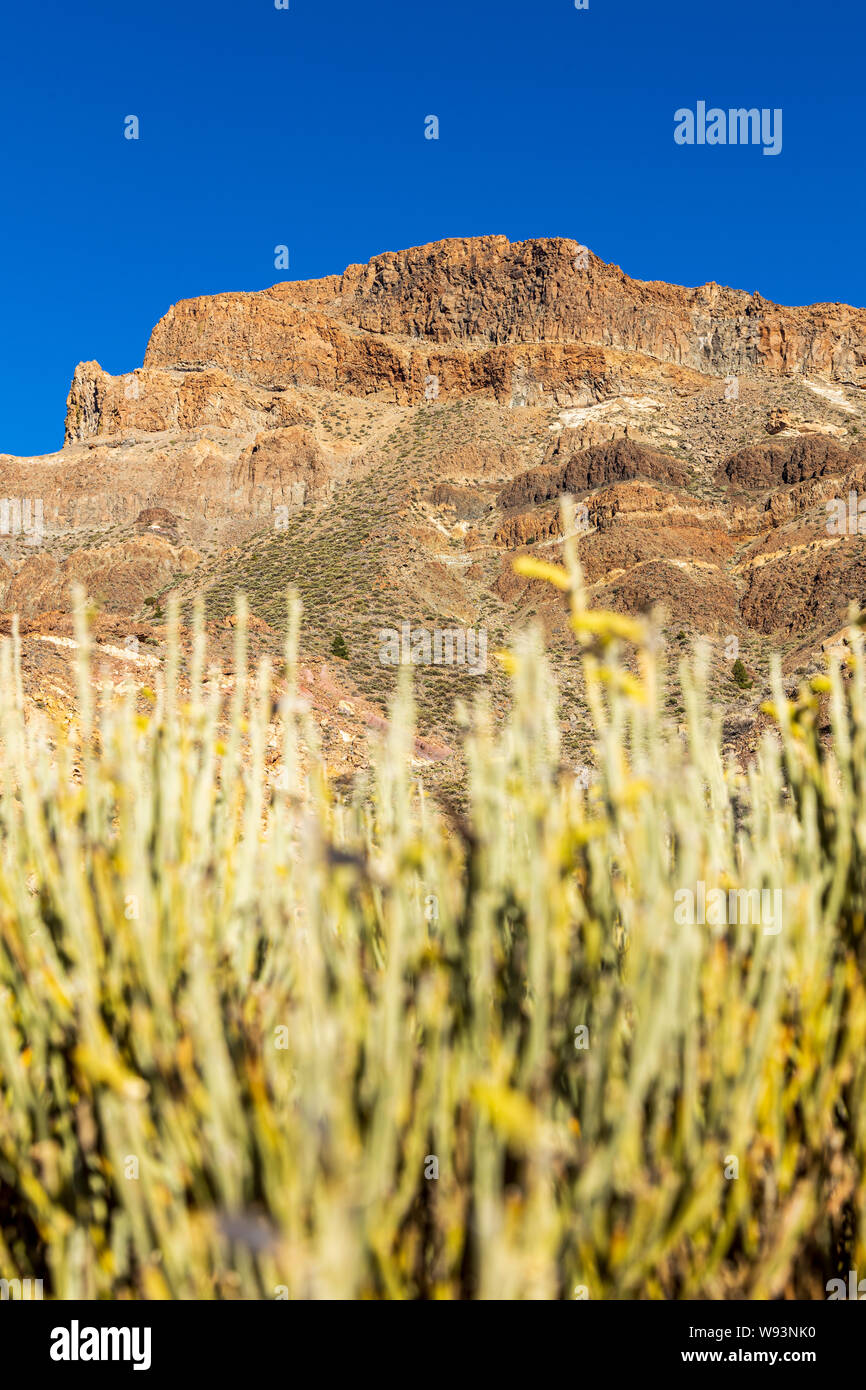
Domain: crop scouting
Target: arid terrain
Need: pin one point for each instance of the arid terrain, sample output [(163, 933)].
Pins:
[(386, 441)]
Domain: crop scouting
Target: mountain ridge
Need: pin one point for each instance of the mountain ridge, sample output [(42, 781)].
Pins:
[(385, 327), (388, 439)]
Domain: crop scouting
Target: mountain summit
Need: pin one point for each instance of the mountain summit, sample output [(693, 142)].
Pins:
[(386, 441), (531, 322)]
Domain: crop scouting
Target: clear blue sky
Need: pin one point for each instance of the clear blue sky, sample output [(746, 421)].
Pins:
[(305, 127)]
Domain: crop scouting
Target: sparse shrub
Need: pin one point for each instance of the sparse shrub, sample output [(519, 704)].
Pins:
[(741, 676), (339, 648)]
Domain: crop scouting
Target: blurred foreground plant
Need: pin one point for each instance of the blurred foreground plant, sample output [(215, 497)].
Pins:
[(258, 1040)]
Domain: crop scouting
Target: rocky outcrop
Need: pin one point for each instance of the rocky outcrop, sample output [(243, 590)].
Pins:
[(700, 597), (528, 528), (804, 590), (204, 484), (489, 290), (641, 504), (281, 468), (154, 401), (157, 519), (118, 578), (465, 503), (526, 323), (605, 463), (791, 461)]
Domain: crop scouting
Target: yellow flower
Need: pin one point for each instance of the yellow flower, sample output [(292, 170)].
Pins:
[(508, 661), (607, 626), (530, 568)]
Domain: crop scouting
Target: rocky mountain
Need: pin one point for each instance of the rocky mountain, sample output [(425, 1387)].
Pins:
[(386, 441)]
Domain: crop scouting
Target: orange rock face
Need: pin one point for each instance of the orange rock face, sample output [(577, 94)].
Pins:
[(522, 322)]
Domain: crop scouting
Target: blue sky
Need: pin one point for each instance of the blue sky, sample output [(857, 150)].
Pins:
[(262, 127)]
